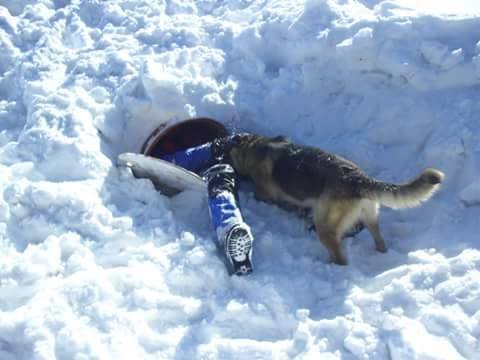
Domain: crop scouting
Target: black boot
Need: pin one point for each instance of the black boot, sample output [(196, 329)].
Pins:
[(238, 249)]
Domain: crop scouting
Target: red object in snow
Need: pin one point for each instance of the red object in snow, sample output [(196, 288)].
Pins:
[(171, 137)]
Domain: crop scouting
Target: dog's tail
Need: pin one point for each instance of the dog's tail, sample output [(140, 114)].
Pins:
[(405, 195)]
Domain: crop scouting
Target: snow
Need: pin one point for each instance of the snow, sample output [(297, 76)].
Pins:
[(95, 264)]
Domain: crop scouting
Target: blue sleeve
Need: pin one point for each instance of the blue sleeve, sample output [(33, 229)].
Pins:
[(193, 159)]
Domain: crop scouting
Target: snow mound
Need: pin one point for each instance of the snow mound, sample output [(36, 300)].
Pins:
[(96, 264)]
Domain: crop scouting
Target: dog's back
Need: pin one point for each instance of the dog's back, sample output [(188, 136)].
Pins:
[(306, 172)]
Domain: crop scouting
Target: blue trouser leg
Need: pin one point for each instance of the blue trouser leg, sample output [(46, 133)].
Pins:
[(232, 232), (222, 198), (222, 202), (193, 159), (221, 179)]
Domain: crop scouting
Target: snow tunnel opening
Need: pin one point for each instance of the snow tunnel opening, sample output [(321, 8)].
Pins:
[(170, 137)]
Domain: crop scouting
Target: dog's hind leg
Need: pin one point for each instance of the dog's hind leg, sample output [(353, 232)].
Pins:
[(328, 218), (370, 216)]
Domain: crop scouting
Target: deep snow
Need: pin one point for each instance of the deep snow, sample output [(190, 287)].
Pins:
[(95, 264)]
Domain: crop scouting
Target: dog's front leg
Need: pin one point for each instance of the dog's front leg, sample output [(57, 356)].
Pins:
[(333, 245), (327, 218), (261, 192)]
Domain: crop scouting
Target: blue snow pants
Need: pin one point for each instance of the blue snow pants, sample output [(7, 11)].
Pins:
[(221, 180)]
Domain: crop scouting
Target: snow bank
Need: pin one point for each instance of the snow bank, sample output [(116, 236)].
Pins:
[(97, 264)]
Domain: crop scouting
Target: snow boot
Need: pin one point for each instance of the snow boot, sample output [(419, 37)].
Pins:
[(238, 249)]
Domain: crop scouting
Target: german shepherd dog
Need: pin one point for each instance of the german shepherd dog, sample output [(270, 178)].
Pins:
[(337, 191)]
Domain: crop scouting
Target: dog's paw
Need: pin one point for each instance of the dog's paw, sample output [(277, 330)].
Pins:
[(382, 248), (341, 262)]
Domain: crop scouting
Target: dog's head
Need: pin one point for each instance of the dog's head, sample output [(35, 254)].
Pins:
[(240, 153), (254, 154)]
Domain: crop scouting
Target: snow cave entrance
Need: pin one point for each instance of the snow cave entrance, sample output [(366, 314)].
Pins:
[(171, 137)]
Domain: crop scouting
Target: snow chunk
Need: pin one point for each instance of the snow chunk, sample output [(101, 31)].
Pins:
[(361, 341), (7, 21), (8, 52), (359, 50), (187, 239), (439, 55), (413, 341), (471, 194)]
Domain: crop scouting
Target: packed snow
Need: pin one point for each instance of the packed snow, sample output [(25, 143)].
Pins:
[(95, 264)]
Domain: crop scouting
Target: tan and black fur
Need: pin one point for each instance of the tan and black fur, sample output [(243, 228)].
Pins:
[(339, 193)]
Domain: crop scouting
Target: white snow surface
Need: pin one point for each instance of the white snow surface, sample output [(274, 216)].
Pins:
[(95, 264)]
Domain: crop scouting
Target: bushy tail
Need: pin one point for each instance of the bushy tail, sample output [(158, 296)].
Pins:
[(406, 195)]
